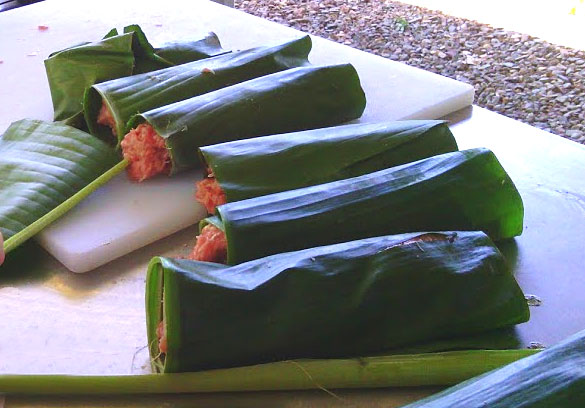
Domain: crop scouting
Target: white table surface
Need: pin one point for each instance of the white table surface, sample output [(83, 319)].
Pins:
[(94, 323)]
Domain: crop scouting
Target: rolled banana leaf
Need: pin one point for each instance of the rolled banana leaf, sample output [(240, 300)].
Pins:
[(42, 165), (466, 190), (551, 378), (295, 99), (265, 165), (128, 96), (349, 299), (148, 58), (182, 52), (72, 70)]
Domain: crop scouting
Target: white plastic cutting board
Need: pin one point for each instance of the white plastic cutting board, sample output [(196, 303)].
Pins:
[(123, 216)]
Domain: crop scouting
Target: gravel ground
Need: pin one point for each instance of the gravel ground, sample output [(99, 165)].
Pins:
[(517, 75)]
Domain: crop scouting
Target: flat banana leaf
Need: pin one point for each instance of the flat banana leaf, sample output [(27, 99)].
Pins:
[(552, 378), (467, 190), (125, 97), (72, 70), (42, 165), (265, 165), (344, 300), (295, 99)]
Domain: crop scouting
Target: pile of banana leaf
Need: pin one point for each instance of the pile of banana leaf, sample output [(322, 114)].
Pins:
[(72, 70), (144, 92), (148, 80), (342, 241), (48, 168)]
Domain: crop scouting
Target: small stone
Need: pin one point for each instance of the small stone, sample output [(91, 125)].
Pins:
[(539, 83), (535, 345)]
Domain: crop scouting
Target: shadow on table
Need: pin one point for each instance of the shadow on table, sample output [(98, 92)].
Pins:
[(27, 263), (32, 265), (509, 248)]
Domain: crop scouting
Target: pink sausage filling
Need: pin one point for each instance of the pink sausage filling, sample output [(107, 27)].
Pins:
[(211, 245), (209, 192), (147, 153), (161, 333), (105, 118)]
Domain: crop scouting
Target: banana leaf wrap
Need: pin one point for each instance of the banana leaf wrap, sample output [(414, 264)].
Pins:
[(72, 70), (128, 96), (148, 58), (182, 52), (43, 164), (350, 299), (265, 165), (552, 378), (466, 190), (295, 99)]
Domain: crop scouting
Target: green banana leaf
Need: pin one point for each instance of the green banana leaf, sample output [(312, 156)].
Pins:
[(344, 300), (552, 378), (72, 70), (499, 339), (148, 58), (295, 99), (467, 190), (42, 166), (181, 52), (265, 165), (140, 93)]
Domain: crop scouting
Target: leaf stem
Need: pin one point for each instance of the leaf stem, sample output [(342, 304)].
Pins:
[(37, 226), (432, 369)]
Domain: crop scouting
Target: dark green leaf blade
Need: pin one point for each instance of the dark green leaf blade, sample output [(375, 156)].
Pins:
[(72, 70), (181, 52), (350, 299), (146, 59), (265, 165), (125, 97), (149, 58), (551, 378), (466, 190), (296, 99)]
